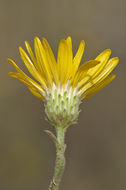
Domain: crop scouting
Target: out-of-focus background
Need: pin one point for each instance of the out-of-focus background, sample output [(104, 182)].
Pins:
[(96, 151)]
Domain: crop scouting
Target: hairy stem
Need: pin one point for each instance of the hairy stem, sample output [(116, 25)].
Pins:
[(60, 159)]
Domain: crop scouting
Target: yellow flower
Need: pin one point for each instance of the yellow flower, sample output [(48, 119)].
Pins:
[(63, 83), (88, 78)]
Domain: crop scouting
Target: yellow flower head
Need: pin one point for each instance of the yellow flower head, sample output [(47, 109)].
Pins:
[(63, 78)]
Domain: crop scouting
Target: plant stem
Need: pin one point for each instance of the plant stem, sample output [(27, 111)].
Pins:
[(60, 159)]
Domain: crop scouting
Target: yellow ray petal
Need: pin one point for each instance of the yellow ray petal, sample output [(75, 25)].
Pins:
[(16, 67), (33, 89), (24, 76), (37, 65), (42, 59), (112, 63), (62, 61), (31, 67), (82, 71), (103, 58), (36, 93), (51, 60), (27, 81), (106, 71), (69, 43), (78, 57), (69, 64), (95, 71), (97, 87), (70, 53), (87, 65), (18, 76)]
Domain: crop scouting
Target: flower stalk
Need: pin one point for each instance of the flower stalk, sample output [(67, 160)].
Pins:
[(60, 158)]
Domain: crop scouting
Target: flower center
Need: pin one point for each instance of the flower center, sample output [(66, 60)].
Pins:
[(62, 105)]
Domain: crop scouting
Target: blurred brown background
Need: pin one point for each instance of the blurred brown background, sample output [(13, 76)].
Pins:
[(96, 152)]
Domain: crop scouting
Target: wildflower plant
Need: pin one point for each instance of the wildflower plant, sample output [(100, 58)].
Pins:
[(62, 85)]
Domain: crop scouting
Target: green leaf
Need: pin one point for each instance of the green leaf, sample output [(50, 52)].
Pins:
[(52, 136)]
